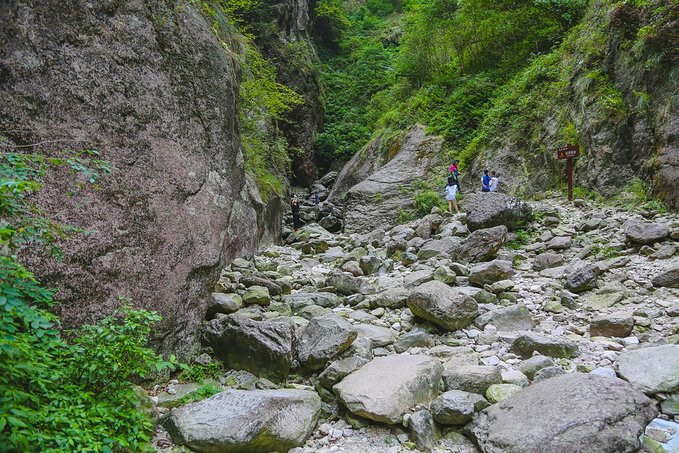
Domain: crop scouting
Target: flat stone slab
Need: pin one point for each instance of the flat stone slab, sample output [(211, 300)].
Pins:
[(652, 370)]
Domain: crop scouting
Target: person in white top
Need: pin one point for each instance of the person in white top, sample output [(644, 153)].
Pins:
[(494, 182), (451, 195)]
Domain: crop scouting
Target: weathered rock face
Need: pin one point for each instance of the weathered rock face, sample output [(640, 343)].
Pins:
[(444, 306), (252, 421), (376, 200), (653, 369), (136, 81), (573, 412)]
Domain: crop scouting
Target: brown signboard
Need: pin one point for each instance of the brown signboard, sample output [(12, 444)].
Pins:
[(568, 151)]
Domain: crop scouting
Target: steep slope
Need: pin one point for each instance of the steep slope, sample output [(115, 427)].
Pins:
[(155, 90), (612, 87)]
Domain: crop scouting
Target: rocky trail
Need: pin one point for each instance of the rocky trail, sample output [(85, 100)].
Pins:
[(549, 327)]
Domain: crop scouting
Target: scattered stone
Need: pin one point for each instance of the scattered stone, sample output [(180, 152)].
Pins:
[(223, 303), (386, 387), (560, 243), (493, 271), (500, 392), (442, 305), (618, 324), (456, 407), (445, 274), (339, 369), (486, 210), (669, 278), (417, 278), (582, 279), (641, 232), (261, 347), (547, 373), (661, 436), (257, 295), (324, 338), (507, 319), (347, 284), (652, 370), (547, 260), (573, 412), (482, 245), (445, 247), (526, 343), (415, 338), (531, 366), (472, 378), (423, 430), (258, 421)]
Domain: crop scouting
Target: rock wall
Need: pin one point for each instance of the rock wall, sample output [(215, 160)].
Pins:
[(619, 100), (150, 86), (387, 188)]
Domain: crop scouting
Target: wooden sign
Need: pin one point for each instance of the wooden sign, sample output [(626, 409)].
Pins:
[(568, 152)]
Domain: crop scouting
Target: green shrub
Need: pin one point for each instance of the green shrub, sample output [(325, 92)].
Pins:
[(198, 372), (425, 200), (523, 238)]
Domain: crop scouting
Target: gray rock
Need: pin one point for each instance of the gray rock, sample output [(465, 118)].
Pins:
[(526, 343), (394, 297), (339, 369), (446, 248), (257, 295), (641, 232), (353, 268), (472, 378), (482, 245), (547, 260), (347, 284), (223, 303), (652, 370), (414, 338), (619, 324), (506, 319), (386, 387), (418, 277), (669, 278), (378, 336), (531, 366), (444, 306), (369, 264), (324, 338), (582, 279), (445, 274), (302, 299), (249, 280), (560, 243), (456, 407), (493, 271), (423, 430), (261, 347), (486, 210), (570, 413), (257, 421), (481, 296), (547, 373)]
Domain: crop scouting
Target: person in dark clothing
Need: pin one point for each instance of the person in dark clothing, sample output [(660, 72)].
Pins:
[(294, 204), (485, 182)]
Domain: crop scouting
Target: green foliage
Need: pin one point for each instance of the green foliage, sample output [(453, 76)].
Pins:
[(59, 395), (198, 372), (203, 392), (404, 216), (523, 238), (425, 200)]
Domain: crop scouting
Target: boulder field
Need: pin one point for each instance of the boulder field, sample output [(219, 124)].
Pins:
[(562, 337)]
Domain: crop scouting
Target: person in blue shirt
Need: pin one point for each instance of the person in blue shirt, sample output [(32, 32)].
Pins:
[(485, 182)]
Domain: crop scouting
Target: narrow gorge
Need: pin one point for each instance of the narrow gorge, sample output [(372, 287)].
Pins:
[(224, 228)]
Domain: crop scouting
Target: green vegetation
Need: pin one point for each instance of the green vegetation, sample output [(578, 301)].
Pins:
[(198, 372), (62, 391), (203, 392), (523, 238), (427, 199)]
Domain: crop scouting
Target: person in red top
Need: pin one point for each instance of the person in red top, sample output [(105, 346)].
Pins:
[(454, 172)]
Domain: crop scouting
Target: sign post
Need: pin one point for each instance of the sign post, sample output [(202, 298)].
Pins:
[(569, 152)]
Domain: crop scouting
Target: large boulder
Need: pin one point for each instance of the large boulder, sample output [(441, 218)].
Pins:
[(324, 338), (489, 209), (491, 272), (653, 370), (254, 421), (387, 387), (471, 378), (569, 413), (261, 347), (177, 205), (347, 284), (641, 232), (442, 305), (456, 407), (482, 245), (507, 319), (445, 248), (376, 200)]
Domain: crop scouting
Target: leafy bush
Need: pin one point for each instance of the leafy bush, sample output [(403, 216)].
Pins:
[(521, 240), (425, 200), (198, 372), (59, 395)]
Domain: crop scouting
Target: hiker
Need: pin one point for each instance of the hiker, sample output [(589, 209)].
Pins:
[(451, 194), (455, 173), (294, 204), (494, 182), (485, 182)]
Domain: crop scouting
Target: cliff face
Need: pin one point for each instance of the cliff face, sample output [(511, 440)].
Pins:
[(150, 86), (613, 88)]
